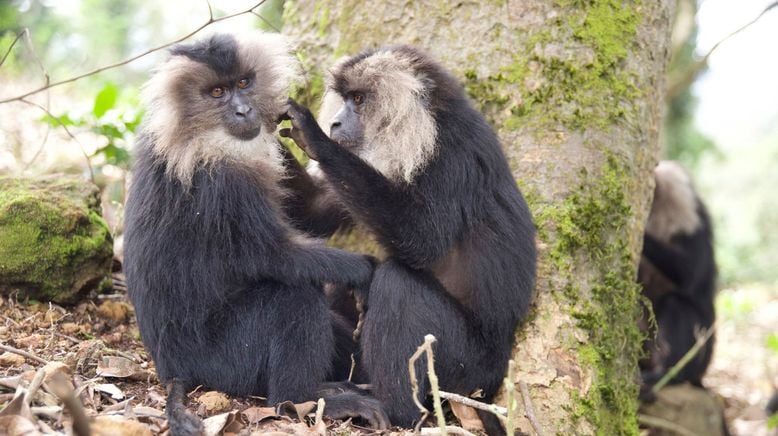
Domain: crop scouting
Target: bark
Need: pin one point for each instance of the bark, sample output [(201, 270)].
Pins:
[(574, 90)]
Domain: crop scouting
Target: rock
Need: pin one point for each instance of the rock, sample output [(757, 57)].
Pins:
[(54, 245), (684, 408)]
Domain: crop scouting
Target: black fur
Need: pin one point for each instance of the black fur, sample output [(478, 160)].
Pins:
[(223, 296), (682, 300), (463, 217), (219, 52)]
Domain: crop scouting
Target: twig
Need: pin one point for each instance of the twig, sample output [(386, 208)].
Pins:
[(13, 43), (510, 389), (265, 20), (529, 411), (493, 408), (31, 48), (69, 338), (22, 353), (653, 421), (70, 134), (210, 21), (701, 340), (415, 386), (35, 384), (682, 80), (61, 388), (433, 379)]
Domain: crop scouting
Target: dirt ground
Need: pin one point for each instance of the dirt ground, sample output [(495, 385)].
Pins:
[(744, 371), (95, 348)]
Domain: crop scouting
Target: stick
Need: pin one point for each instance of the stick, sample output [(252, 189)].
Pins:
[(433, 378), (22, 353), (653, 421), (701, 340), (493, 408), (529, 411), (210, 21)]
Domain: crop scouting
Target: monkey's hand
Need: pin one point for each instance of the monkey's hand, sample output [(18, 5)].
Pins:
[(305, 131)]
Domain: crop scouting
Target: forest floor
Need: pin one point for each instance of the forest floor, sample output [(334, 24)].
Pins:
[(92, 351)]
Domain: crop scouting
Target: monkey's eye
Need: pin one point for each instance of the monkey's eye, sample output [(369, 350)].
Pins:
[(358, 98), (244, 83), (217, 92)]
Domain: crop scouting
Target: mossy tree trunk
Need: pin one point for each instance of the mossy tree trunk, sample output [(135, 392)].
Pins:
[(573, 88)]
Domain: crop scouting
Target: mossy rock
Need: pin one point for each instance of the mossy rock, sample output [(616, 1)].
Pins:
[(684, 409), (54, 244)]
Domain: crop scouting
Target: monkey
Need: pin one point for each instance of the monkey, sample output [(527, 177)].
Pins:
[(678, 275), (412, 159), (226, 293)]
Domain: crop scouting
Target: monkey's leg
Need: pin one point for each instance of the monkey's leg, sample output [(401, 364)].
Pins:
[(404, 306), (299, 324), (180, 421)]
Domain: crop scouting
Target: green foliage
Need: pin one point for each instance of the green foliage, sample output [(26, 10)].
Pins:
[(114, 124), (772, 342)]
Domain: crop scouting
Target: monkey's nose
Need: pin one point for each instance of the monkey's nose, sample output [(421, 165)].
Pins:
[(242, 110), (334, 126)]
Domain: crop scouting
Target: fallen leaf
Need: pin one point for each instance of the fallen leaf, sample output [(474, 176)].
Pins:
[(70, 328), (295, 411), (467, 416), (15, 425), (117, 426), (254, 415), (11, 359), (214, 402), (119, 367), (111, 390), (228, 422)]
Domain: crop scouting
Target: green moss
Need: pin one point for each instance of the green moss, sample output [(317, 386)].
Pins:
[(54, 244), (590, 227), (322, 14), (577, 80)]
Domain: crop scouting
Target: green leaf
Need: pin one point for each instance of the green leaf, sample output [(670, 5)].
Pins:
[(105, 100), (772, 422), (114, 155), (772, 342)]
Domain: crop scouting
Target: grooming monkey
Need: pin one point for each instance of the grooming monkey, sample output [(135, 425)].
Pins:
[(226, 294), (410, 158), (678, 274)]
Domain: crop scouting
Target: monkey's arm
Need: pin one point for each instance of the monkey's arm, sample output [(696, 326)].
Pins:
[(386, 207), (668, 260), (310, 206), (319, 265)]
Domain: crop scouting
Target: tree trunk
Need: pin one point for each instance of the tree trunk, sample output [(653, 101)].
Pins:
[(573, 89)]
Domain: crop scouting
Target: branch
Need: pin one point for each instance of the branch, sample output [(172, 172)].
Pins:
[(73, 137), (684, 79), (210, 21), (433, 378), (529, 411), (701, 340), (663, 424), (22, 353), (493, 408)]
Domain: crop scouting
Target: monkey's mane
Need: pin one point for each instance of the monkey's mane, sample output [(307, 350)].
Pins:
[(185, 134), (674, 210), (400, 130)]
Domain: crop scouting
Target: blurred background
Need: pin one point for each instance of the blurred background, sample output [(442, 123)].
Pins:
[(721, 123)]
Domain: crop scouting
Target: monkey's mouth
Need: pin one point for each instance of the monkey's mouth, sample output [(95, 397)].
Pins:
[(246, 134)]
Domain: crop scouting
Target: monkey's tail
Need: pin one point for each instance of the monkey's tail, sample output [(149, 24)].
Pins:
[(180, 421)]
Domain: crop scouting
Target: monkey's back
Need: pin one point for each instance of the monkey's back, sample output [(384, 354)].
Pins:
[(197, 261)]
